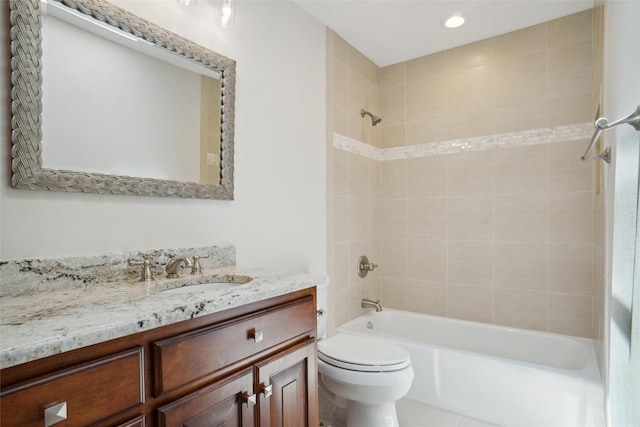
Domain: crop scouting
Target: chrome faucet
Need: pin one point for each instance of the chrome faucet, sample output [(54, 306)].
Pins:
[(174, 265), (369, 303)]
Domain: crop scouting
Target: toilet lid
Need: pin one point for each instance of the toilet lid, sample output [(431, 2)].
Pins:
[(363, 353)]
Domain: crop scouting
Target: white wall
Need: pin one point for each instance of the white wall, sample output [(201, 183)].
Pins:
[(278, 216), (621, 96)]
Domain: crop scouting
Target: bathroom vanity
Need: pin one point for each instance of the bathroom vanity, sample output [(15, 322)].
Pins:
[(241, 355)]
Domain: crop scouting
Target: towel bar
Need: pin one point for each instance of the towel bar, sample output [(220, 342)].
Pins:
[(601, 124)]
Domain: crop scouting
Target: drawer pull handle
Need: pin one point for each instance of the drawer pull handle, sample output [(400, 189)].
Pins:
[(267, 390), (55, 413), (249, 399), (256, 335)]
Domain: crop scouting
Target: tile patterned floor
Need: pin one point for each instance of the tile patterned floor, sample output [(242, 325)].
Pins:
[(412, 413)]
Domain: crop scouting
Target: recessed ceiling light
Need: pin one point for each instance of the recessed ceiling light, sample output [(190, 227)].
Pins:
[(454, 21)]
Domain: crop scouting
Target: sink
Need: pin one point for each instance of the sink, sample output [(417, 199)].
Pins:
[(188, 289), (214, 283)]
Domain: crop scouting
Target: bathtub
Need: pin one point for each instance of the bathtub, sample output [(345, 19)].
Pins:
[(507, 376)]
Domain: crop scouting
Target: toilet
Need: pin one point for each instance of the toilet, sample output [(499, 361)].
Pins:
[(365, 375)]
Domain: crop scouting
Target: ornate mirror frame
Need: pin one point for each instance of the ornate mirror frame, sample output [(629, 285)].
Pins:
[(26, 107)]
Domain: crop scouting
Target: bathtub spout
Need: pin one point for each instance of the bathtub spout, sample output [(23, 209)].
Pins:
[(368, 303)]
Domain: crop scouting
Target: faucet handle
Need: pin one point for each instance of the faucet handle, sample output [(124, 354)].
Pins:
[(196, 267), (147, 274)]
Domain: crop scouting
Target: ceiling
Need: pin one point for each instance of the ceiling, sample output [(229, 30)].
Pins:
[(392, 31)]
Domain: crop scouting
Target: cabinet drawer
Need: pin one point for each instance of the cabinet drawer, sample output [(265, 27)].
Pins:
[(92, 391), (188, 357)]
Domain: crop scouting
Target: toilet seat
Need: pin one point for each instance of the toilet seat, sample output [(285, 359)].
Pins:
[(363, 353)]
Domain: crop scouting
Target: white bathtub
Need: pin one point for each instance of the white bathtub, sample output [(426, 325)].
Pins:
[(511, 377)]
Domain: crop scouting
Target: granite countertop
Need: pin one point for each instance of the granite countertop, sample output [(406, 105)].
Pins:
[(44, 323)]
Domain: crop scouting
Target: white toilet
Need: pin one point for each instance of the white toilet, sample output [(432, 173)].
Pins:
[(366, 374)]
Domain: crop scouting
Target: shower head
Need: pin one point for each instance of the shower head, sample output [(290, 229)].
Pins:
[(375, 120)]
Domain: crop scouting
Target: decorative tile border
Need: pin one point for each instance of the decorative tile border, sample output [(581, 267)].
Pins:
[(503, 140)]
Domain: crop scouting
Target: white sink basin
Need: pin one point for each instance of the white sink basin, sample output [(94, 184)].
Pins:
[(218, 283), (189, 289)]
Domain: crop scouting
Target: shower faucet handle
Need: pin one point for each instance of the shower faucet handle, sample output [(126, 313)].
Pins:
[(364, 266)]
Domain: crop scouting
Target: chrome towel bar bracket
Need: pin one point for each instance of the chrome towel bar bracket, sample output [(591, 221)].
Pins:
[(601, 124)]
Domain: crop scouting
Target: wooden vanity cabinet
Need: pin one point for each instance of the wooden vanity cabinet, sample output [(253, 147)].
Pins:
[(251, 366)]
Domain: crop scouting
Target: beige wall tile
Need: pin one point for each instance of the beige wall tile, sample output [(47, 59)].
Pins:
[(469, 125), (393, 105), (342, 313), (470, 263), (521, 218), (393, 218), (433, 65), (469, 56), (570, 314), (341, 219), (394, 293), (520, 80), (393, 179), (519, 117), (374, 178), (427, 177), (375, 218), (470, 173), (427, 297), (572, 29), (571, 268), (341, 85), (341, 272), (469, 90), (340, 49), (341, 121), (364, 66), (393, 258), (520, 43), (359, 93), (393, 75), (427, 260), (521, 265), (426, 98), (394, 136), (470, 218), (469, 302), (521, 170), (570, 109), (571, 217), (359, 219), (340, 172), (359, 176), (357, 292), (570, 70), (427, 218), (521, 309), (376, 136), (566, 171), (432, 129), (374, 289)]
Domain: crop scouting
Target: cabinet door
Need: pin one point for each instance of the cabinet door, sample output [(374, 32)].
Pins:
[(229, 403), (287, 388)]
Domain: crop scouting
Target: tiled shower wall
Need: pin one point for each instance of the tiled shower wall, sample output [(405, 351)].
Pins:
[(353, 180), (501, 236)]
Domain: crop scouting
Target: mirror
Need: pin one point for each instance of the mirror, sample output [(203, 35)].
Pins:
[(105, 102)]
